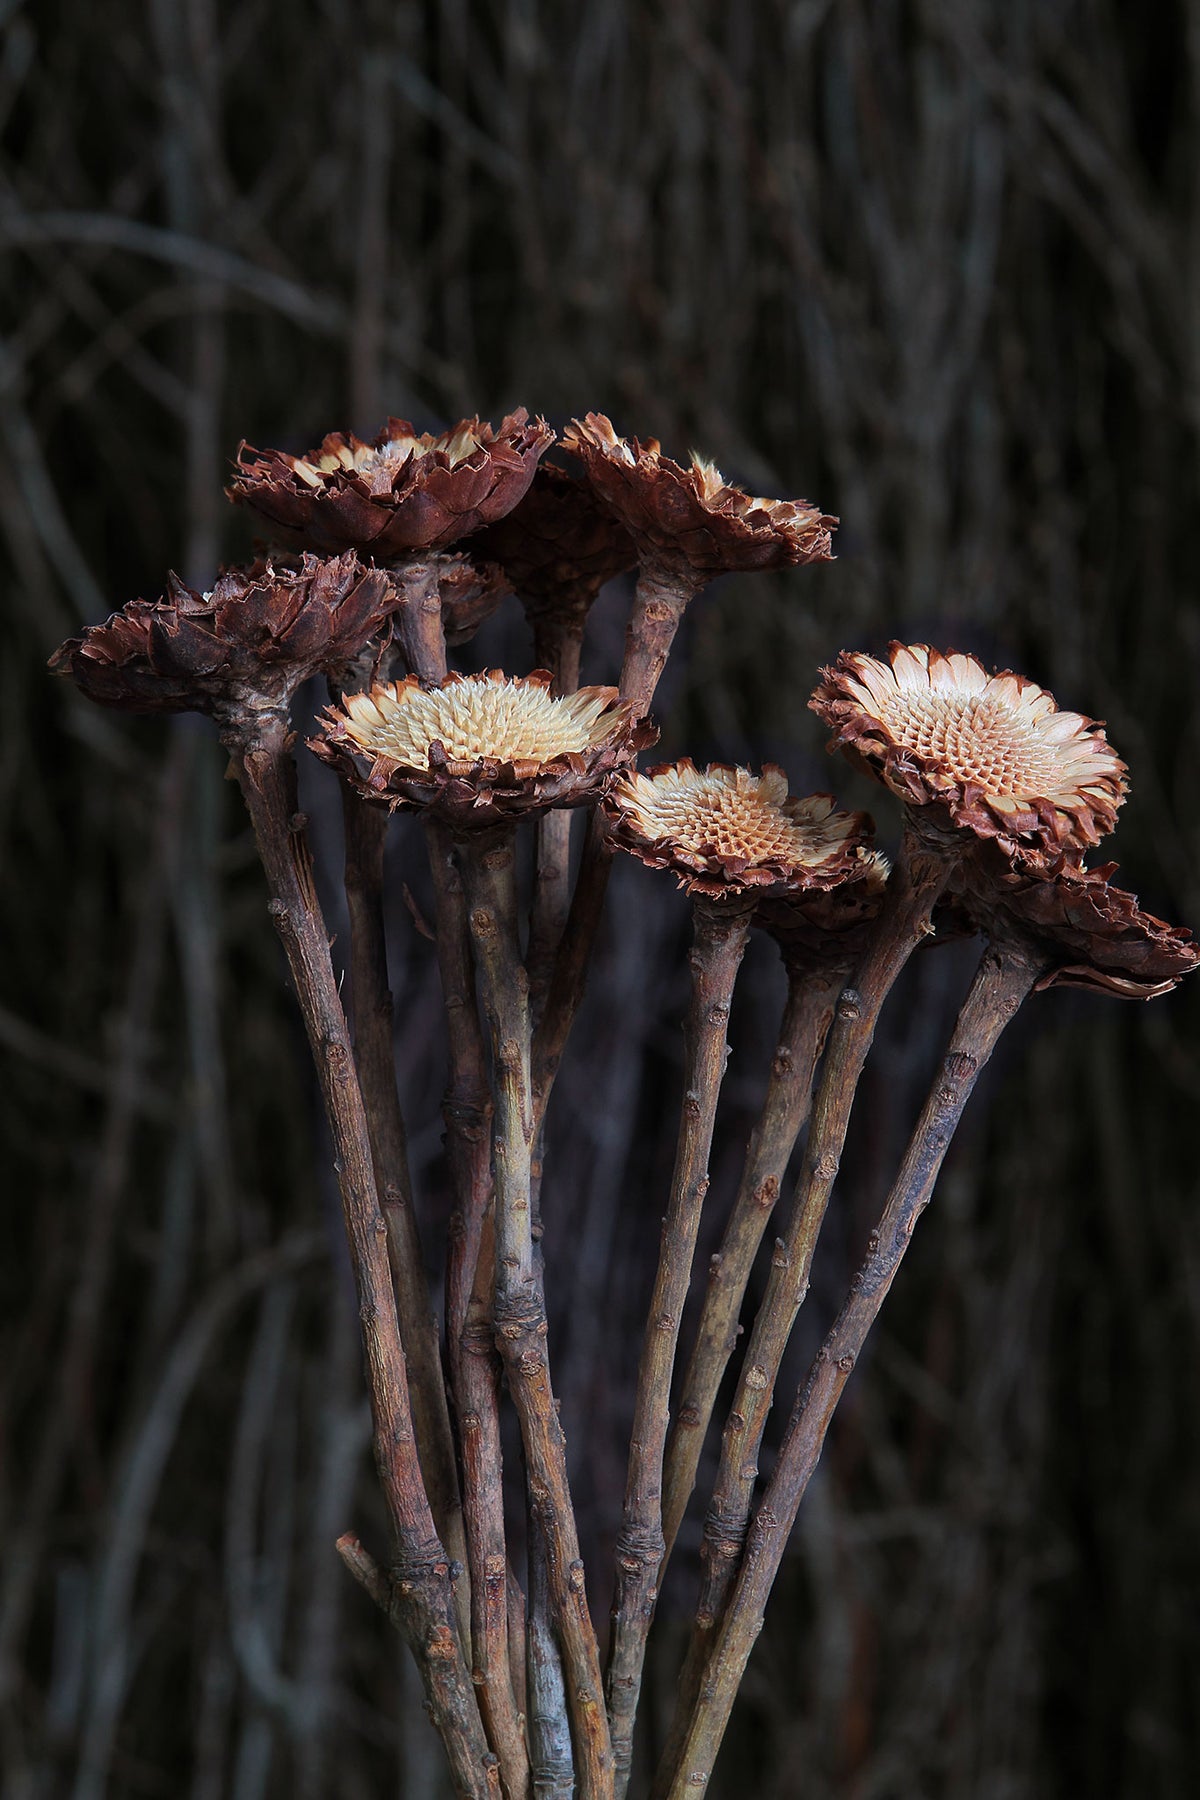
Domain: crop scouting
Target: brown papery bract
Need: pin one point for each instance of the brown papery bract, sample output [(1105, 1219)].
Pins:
[(688, 513), (404, 491)]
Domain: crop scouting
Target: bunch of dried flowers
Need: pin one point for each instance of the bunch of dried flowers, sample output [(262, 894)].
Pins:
[(391, 552)]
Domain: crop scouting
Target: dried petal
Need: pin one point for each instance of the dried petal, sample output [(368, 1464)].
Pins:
[(559, 545)]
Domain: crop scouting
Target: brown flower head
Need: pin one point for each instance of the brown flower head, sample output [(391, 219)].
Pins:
[(480, 749), (252, 640), (1096, 934), (558, 546), (991, 754), (471, 591), (407, 491), (723, 831), (825, 929), (691, 515)]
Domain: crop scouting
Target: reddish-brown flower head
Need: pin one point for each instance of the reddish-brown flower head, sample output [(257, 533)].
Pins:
[(724, 832), (690, 515), (825, 929), (407, 491), (253, 639), (559, 545), (480, 749), (991, 752), (1096, 934)]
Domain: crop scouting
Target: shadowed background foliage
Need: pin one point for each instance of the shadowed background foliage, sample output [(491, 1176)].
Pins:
[(932, 265)]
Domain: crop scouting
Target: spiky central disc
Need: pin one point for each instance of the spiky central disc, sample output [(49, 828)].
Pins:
[(735, 815), (478, 719), (978, 739)]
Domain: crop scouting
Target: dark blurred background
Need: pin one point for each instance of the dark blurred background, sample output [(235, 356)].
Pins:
[(932, 265)]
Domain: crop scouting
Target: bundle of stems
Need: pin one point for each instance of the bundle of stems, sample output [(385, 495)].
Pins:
[(1002, 794)]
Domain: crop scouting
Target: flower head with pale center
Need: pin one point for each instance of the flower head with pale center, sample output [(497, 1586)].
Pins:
[(480, 748), (404, 492), (688, 515), (724, 832), (994, 752)]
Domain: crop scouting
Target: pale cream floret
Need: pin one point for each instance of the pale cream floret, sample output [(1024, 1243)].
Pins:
[(734, 814), (479, 719), (456, 445), (994, 732)]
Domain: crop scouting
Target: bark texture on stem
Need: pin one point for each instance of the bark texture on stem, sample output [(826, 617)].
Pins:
[(483, 1485), (422, 1591), (720, 931), (365, 833), (557, 646), (1004, 978), (916, 882), (660, 600), (808, 1010), (488, 864)]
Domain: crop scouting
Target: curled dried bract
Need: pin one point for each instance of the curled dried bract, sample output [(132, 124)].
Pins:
[(991, 754), (723, 831), (480, 749), (688, 513), (405, 491), (252, 640)]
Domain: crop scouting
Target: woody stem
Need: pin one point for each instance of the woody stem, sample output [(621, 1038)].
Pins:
[(488, 864), (1005, 976), (808, 1010), (720, 931), (915, 885), (422, 1601)]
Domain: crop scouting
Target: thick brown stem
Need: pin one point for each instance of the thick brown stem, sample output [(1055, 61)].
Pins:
[(423, 1602), (552, 1759), (1005, 976), (365, 831), (806, 1017), (719, 941), (557, 644), (419, 618), (659, 603), (916, 882), (483, 1487), (488, 864), (662, 596)]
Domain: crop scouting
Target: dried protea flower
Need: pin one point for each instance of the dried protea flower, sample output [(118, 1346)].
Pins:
[(690, 513), (406, 491), (826, 928), (991, 754), (250, 642), (559, 545), (724, 832), (1096, 934), (470, 591), (480, 749)]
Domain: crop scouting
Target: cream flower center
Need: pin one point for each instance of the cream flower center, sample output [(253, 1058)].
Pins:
[(477, 720), (732, 814), (979, 740)]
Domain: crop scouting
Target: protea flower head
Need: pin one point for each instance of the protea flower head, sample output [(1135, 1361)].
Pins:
[(559, 545), (480, 749), (724, 832), (1096, 934), (689, 514), (406, 491), (251, 641), (825, 929), (991, 754)]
